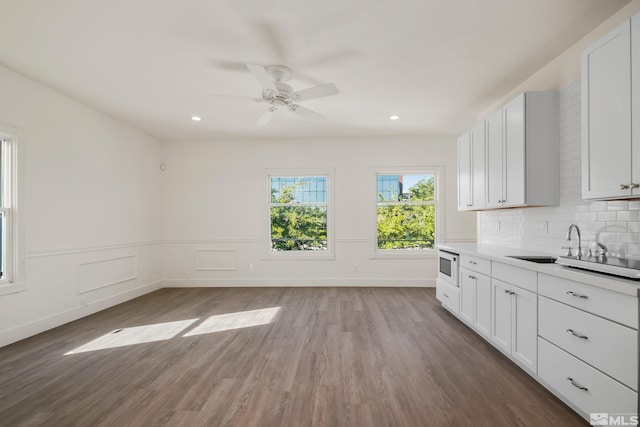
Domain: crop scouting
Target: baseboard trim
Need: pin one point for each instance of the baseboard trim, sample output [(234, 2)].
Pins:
[(301, 282), (53, 321)]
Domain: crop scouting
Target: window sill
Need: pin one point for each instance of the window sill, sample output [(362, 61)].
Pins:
[(11, 288)]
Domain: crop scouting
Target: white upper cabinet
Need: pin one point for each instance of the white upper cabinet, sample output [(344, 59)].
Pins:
[(522, 152), (610, 73), (495, 160), (471, 169)]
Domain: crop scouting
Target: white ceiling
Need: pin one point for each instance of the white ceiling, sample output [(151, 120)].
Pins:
[(155, 63)]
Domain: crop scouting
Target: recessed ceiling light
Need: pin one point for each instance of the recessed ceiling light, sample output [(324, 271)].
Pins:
[(196, 118), (394, 117)]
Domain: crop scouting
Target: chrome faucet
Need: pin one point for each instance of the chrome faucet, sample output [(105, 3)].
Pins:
[(571, 227)]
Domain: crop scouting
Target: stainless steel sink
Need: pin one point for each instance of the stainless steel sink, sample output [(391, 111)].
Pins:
[(542, 259)]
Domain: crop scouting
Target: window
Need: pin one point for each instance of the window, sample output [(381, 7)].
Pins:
[(11, 224), (5, 208), (407, 211), (299, 217), (10, 234)]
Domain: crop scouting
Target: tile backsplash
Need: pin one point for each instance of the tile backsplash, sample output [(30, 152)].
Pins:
[(614, 223)]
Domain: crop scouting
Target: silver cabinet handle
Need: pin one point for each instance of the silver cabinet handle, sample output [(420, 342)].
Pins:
[(577, 295), (472, 277), (576, 385), (445, 295), (624, 186), (577, 334), (506, 291), (634, 185), (473, 263), (512, 293)]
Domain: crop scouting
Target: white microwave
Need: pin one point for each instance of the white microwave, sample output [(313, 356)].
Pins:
[(448, 267)]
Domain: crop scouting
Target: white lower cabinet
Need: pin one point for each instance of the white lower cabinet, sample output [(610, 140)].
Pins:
[(514, 322), (585, 387), (482, 322), (448, 295), (580, 341), (475, 301), (611, 347)]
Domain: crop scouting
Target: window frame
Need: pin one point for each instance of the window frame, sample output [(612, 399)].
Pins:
[(328, 254), (438, 173), (13, 167)]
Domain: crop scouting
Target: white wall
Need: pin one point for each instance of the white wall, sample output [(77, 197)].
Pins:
[(91, 209), (215, 198)]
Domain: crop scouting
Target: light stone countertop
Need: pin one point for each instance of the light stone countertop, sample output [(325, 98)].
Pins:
[(501, 254)]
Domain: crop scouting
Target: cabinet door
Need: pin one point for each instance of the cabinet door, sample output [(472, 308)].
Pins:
[(495, 160), (525, 328), (501, 315), (467, 295), (478, 166), (606, 116), (635, 101), (482, 322), (514, 140), (464, 172)]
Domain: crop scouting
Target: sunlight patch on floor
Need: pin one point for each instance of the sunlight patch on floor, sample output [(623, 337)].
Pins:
[(136, 335), (229, 321)]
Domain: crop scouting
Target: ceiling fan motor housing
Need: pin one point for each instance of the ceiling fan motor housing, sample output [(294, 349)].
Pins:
[(284, 94)]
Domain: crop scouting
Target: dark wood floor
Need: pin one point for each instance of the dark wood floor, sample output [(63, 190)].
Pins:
[(332, 357)]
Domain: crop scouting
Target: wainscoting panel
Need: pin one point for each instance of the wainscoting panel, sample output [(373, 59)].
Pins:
[(100, 274)]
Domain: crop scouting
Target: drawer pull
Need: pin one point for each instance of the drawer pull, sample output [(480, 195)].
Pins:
[(576, 385), (577, 334), (472, 277), (473, 263), (445, 295), (577, 295), (506, 291)]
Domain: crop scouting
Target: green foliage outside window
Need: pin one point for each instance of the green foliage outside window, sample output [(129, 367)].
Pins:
[(296, 227), (408, 223)]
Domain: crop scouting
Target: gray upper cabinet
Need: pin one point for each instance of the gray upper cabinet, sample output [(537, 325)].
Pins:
[(610, 116)]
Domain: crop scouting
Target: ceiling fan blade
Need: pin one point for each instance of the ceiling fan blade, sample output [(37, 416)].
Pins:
[(305, 112), (326, 89), (264, 78), (267, 116)]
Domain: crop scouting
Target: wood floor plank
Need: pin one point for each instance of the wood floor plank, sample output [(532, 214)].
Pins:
[(328, 357)]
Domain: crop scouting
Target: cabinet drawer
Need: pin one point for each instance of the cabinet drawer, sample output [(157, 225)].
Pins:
[(607, 346), (521, 277), (448, 295), (566, 374), (481, 265), (608, 304)]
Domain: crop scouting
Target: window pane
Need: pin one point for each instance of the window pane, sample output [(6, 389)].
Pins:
[(389, 188), (298, 228), (406, 226), (417, 187), (309, 189)]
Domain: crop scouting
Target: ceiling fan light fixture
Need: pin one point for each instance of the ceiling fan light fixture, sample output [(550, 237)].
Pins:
[(196, 118), (394, 117)]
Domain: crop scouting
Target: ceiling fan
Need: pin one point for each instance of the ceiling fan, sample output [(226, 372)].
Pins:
[(281, 96)]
